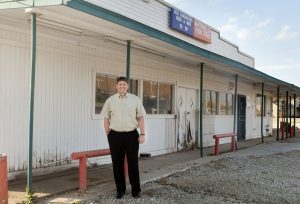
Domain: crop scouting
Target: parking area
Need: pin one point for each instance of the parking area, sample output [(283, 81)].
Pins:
[(256, 173)]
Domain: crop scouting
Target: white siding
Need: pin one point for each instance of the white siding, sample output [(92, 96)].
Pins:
[(216, 124), (156, 15), (160, 136), (63, 119), (14, 103), (64, 96)]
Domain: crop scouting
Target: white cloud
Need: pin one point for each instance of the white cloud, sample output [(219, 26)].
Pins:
[(286, 33), (264, 23), (243, 33), (230, 26), (249, 14), (279, 67)]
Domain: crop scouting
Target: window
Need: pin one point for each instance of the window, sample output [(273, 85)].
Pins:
[(230, 100), (210, 102), (226, 107), (258, 105), (223, 103), (106, 87), (157, 97), (165, 99)]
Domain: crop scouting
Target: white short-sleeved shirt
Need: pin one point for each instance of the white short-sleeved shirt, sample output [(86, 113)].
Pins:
[(123, 112)]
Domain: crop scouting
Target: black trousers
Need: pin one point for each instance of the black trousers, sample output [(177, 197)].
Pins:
[(121, 143)]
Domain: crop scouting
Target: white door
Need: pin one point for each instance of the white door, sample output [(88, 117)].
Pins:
[(186, 111)]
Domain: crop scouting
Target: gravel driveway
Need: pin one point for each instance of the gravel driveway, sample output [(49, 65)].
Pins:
[(243, 178)]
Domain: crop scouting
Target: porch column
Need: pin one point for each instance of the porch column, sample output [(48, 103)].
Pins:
[(286, 113), (201, 110), (128, 62), (235, 104), (294, 115), (31, 100), (262, 112), (278, 100)]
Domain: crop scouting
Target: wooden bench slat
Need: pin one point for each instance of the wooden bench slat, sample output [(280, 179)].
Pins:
[(88, 154), (224, 135)]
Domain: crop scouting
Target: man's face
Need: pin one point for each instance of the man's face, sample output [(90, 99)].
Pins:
[(122, 87)]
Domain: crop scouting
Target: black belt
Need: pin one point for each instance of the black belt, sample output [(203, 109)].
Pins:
[(124, 131)]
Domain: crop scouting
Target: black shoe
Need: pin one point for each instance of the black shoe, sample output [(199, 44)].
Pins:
[(119, 195), (136, 195)]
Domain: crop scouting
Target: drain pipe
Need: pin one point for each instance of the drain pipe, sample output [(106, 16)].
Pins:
[(128, 62), (201, 110), (262, 112), (278, 100), (286, 113), (33, 13), (290, 127), (235, 104), (294, 115)]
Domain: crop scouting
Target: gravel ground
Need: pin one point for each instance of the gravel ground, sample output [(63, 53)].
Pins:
[(271, 178)]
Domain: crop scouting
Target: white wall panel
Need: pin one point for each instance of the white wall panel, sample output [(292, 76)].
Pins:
[(63, 121), (63, 98), (160, 136), (14, 100), (156, 15)]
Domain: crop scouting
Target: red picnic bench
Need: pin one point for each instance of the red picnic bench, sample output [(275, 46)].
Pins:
[(82, 157), (217, 141)]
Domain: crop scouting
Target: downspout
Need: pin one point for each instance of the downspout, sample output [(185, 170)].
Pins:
[(278, 100), (290, 111), (286, 113), (31, 100), (128, 62), (294, 115), (201, 110), (235, 104), (262, 112)]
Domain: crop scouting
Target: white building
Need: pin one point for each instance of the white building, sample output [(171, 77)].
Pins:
[(82, 46)]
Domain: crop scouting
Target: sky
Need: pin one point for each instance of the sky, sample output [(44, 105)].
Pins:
[(268, 30)]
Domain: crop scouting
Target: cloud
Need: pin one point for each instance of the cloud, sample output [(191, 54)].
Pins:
[(286, 33), (249, 14), (244, 33), (279, 67), (230, 26), (264, 23)]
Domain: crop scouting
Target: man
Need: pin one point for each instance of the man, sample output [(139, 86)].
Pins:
[(123, 114)]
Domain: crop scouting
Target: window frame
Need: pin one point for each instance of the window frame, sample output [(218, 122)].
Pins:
[(158, 83)]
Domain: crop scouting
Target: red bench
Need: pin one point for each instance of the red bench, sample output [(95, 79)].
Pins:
[(291, 131), (82, 157), (217, 141)]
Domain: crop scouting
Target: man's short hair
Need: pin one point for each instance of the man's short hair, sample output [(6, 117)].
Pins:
[(122, 79)]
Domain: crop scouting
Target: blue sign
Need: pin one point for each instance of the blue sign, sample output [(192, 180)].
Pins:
[(181, 22)]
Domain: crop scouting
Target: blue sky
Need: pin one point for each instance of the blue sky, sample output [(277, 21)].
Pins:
[(268, 30)]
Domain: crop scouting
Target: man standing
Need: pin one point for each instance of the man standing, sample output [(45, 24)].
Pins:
[(123, 114)]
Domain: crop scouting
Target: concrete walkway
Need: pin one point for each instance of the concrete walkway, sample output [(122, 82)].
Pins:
[(62, 187)]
